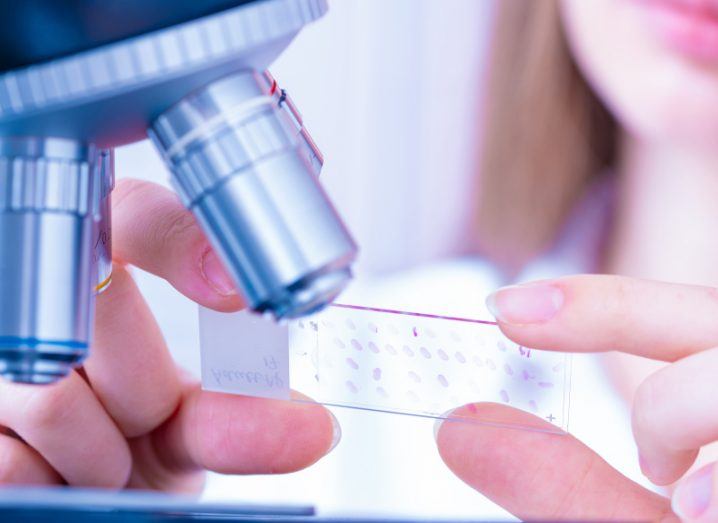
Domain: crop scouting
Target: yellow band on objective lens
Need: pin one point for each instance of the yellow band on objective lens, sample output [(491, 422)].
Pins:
[(103, 284)]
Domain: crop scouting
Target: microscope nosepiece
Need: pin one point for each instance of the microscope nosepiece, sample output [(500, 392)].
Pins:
[(242, 161)]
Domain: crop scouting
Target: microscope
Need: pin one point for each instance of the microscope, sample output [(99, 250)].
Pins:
[(81, 77)]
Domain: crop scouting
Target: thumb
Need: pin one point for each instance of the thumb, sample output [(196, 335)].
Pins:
[(537, 475), (695, 500)]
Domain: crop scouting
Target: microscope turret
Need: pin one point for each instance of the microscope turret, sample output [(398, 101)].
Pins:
[(79, 78)]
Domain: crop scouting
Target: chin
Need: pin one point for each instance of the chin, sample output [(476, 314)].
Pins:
[(685, 112)]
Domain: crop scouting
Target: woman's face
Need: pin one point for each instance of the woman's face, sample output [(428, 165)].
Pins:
[(653, 62)]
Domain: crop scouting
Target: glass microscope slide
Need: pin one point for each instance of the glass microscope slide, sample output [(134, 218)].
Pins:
[(388, 361)]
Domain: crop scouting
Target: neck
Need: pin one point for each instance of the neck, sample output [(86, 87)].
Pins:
[(667, 220)]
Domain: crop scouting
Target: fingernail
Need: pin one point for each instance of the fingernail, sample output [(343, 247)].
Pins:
[(336, 432), (693, 495), (440, 421), (529, 303), (215, 274)]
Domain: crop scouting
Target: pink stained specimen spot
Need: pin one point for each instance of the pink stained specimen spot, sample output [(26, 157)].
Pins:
[(504, 396), (442, 355), (414, 332), (460, 357), (533, 406), (357, 345), (381, 392), (524, 351), (508, 370), (372, 347), (353, 388), (390, 349), (472, 408), (350, 324), (545, 384), (339, 343), (414, 376), (425, 352), (526, 376), (353, 364), (442, 379), (373, 328), (376, 374), (407, 350), (490, 364)]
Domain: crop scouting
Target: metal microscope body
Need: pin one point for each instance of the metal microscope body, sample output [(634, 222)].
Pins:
[(192, 76)]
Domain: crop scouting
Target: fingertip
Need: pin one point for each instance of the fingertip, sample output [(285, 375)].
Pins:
[(153, 231), (218, 303), (486, 446), (234, 434), (664, 470), (472, 437), (215, 275), (664, 453), (336, 432), (486, 417), (530, 303), (336, 429), (315, 432), (695, 499), (203, 279), (482, 444)]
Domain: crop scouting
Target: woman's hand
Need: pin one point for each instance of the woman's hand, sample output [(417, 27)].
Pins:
[(541, 476), (130, 417)]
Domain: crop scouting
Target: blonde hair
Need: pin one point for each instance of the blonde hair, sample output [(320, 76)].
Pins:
[(546, 134)]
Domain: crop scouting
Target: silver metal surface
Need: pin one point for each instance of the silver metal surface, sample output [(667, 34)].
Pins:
[(241, 161), (244, 164), (108, 96), (46, 274), (104, 170)]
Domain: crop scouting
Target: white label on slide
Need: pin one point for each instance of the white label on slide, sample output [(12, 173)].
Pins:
[(243, 353)]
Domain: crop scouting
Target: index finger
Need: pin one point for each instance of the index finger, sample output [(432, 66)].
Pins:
[(152, 230), (596, 313)]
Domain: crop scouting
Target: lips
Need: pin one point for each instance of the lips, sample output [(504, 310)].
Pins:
[(687, 26)]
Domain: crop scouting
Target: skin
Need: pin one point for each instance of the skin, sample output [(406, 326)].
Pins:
[(130, 417), (664, 336), (672, 411)]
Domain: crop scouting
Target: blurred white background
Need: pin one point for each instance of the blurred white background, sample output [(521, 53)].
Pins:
[(390, 91)]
